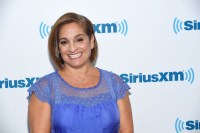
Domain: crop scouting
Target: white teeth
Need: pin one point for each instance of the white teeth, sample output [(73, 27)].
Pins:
[(75, 55)]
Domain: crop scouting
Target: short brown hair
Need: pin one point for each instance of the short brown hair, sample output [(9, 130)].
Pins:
[(54, 37)]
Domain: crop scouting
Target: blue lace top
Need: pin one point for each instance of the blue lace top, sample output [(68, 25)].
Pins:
[(82, 110)]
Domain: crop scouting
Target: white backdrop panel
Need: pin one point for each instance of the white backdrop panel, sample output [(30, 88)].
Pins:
[(150, 47)]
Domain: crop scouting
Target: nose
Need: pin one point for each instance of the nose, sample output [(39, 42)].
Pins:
[(72, 47)]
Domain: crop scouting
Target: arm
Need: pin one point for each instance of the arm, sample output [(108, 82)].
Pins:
[(39, 114), (126, 121)]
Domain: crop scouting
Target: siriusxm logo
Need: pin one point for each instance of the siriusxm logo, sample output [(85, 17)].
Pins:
[(121, 27), (188, 25), (21, 83), (160, 77), (115, 27), (44, 30), (189, 125)]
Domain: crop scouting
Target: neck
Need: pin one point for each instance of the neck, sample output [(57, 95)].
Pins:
[(77, 72)]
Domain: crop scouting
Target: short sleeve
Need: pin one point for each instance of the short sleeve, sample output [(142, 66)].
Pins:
[(41, 89), (120, 86)]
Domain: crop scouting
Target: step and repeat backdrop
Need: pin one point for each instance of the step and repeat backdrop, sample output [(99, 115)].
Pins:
[(153, 45)]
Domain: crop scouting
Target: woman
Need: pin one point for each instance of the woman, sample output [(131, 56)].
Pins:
[(78, 97)]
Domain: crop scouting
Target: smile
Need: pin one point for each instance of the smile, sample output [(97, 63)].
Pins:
[(73, 56)]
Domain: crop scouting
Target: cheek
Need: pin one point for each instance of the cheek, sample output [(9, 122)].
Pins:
[(88, 46), (83, 47), (62, 49)]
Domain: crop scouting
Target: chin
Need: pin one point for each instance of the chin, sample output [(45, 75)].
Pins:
[(76, 65)]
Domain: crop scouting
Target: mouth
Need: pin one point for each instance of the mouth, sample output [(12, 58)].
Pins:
[(74, 56)]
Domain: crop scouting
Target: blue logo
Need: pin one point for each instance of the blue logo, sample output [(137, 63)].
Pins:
[(121, 27), (189, 125), (116, 27), (44, 30), (159, 77), (20, 83), (188, 25)]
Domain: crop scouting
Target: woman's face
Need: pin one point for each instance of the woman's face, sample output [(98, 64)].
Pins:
[(74, 45)]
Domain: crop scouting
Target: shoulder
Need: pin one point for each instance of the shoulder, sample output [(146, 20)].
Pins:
[(112, 76), (47, 77), (106, 72), (50, 75), (44, 80), (118, 86), (42, 88)]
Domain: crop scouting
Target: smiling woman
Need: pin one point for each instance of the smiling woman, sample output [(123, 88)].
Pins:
[(74, 45), (58, 36), (78, 94)]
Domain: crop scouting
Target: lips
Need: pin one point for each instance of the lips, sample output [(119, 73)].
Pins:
[(74, 56)]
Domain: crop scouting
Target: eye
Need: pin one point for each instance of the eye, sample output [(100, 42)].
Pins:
[(79, 39), (63, 42)]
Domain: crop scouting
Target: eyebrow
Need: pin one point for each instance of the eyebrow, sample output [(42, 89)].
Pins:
[(75, 36)]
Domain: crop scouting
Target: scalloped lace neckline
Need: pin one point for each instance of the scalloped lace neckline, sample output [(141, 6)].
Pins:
[(77, 88)]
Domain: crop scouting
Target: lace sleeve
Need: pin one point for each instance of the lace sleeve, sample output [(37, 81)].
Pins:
[(41, 89), (120, 87)]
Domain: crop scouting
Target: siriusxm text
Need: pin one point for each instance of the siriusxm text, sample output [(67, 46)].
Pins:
[(21, 83), (192, 25), (193, 125), (157, 77), (105, 28)]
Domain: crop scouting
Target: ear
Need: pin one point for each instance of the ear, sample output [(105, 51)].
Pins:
[(92, 41)]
